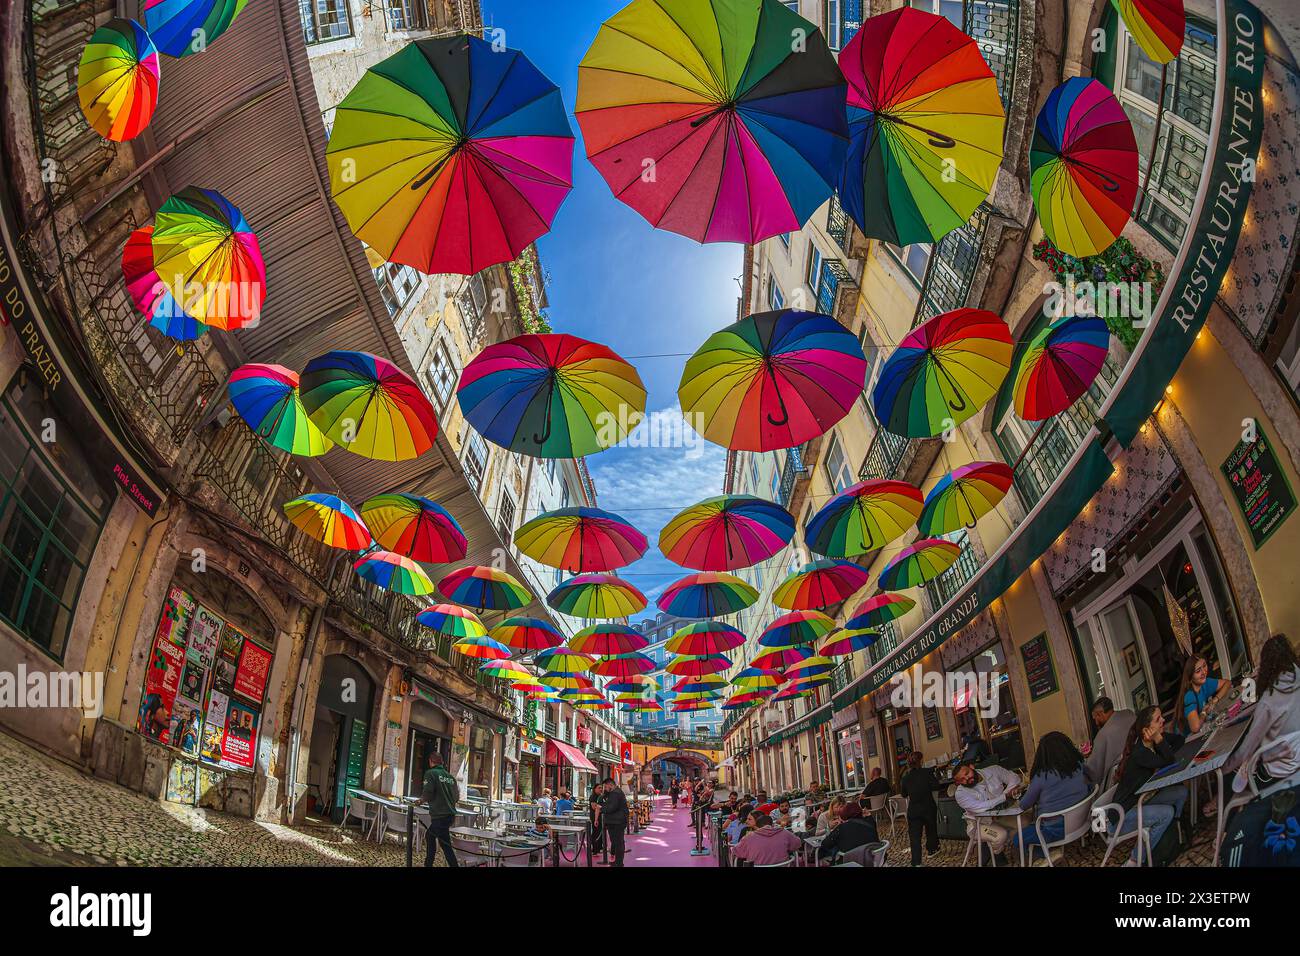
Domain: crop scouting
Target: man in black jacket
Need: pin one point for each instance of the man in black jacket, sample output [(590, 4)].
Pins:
[(613, 819), (918, 786), (440, 793)]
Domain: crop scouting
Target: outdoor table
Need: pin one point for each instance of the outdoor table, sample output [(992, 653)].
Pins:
[(1011, 809), (811, 844), (558, 828), (474, 833)]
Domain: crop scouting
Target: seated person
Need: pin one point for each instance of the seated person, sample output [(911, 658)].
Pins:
[(540, 830), (978, 791), (564, 804), (1149, 748), (1276, 721), (1057, 780), (1197, 692), (781, 817), (829, 818), (765, 844), (976, 750), (1107, 747), (878, 786), (854, 831), (738, 826)]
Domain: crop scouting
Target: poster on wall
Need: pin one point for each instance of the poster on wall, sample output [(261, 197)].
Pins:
[(187, 711), (241, 732), (252, 672), (232, 642), (177, 616), (162, 680), (214, 725), (1260, 487), (204, 633)]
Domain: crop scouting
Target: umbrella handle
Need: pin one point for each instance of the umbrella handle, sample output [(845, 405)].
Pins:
[(785, 412), (545, 436)]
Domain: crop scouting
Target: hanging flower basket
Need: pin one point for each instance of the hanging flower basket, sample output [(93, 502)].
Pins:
[(1120, 285)]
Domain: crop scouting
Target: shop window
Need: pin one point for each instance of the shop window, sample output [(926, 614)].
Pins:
[(48, 531), (480, 759), (999, 724)]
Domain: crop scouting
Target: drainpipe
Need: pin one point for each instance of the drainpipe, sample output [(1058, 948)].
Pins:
[(300, 696)]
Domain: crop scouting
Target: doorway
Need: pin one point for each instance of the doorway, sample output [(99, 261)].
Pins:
[(341, 733)]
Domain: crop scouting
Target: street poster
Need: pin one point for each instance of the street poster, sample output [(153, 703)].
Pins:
[(161, 681), (254, 668), (241, 732), (204, 633), (214, 724)]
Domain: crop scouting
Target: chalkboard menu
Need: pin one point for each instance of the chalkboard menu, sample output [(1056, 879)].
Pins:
[(931, 718), (1260, 486), (1040, 673)]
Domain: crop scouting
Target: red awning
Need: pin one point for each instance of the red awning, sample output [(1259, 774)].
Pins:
[(557, 753)]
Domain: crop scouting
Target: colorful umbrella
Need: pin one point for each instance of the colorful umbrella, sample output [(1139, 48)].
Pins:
[(690, 706), (820, 584), (942, 372), (527, 634), (811, 666), (722, 121), (781, 658), (758, 678), (742, 701), (814, 680), (368, 405), (701, 682), (712, 694), (926, 124), (726, 533), (642, 706), (847, 642), (793, 691), (565, 680), (581, 693), (581, 539), (451, 156), (593, 705), (921, 561), (1083, 167), (206, 254), (772, 380), (705, 637), (117, 80), (963, 496), (394, 572), (564, 660), (329, 519), (878, 610), (697, 665), (797, 627), (149, 293), (1158, 26), (484, 588), (416, 527), (450, 620), (624, 665), (1059, 366), (551, 396), (507, 669), (266, 396), (608, 639), (639, 684), (597, 595), (707, 594), (483, 648), (864, 517), (182, 27), (628, 697)]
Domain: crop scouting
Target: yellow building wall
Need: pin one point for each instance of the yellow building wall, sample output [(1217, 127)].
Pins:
[(1024, 618)]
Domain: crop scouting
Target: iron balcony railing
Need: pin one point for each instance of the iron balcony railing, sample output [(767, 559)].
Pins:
[(884, 455), (951, 271), (679, 739), (887, 641), (838, 224), (950, 582), (994, 25), (792, 470), (831, 279), (841, 676)]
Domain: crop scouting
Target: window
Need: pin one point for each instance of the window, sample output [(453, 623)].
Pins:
[(47, 535), (775, 300), (837, 469), (1288, 362), (506, 516), (407, 15), (397, 283), (442, 374), (951, 9), (833, 35), (814, 276), (476, 456), (324, 20), (914, 258), (785, 241)]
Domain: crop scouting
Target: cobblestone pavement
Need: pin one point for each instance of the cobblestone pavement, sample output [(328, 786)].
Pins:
[(53, 814)]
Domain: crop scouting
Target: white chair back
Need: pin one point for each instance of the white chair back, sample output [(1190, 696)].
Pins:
[(470, 853), (394, 820), (767, 866), (877, 803), (879, 851)]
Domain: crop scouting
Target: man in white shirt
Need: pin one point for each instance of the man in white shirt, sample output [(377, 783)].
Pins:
[(978, 791), (545, 805)]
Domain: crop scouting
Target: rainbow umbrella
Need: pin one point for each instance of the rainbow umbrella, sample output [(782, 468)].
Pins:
[(149, 293), (450, 620), (1083, 167), (581, 539), (815, 680), (759, 678), (963, 496), (507, 669), (628, 697), (484, 588), (864, 517), (942, 372), (705, 637), (206, 254), (483, 648), (597, 595), (551, 396), (781, 658), (1158, 26), (711, 694), (608, 639), (726, 533), (565, 680), (393, 572), (742, 701), (182, 27), (707, 594), (581, 693), (926, 124), (1059, 366), (691, 706), (701, 682), (722, 121), (564, 660), (797, 627), (330, 520), (794, 691), (847, 642), (117, 80), (697, 665), (772, 380), (527, 634), (922, 560), (633, 684), (641, 706), (266, 396), (811, 666), (878, 610), (820, 584), (451, 156), (624, 665), (369, 406), (416, 527)]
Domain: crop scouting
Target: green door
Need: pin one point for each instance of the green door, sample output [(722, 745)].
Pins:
[(351, 760)]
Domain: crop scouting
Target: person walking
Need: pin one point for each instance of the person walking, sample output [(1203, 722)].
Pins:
[(613, 818), (918, 786), (675, 791), (440, 793), (597, 824)]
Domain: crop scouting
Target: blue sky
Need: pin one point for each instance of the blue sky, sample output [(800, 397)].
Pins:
[(617, 281)]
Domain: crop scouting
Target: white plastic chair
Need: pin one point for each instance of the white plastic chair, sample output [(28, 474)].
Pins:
[(876, 804), (359, 808), (1237, 800), (897, 810), (1078, 824), (421, 829), (394, 819), (789, 861), (1106, 806), (471, 853)]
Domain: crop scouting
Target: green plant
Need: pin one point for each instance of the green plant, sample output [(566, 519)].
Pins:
[(1118, 265), (523, 272)]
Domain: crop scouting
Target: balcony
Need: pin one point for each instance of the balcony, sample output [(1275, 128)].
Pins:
[(884, 457), (835, 288), (994, 25), (887, 642), (953, 263), (841, 676), (675, 738), (942, 588), (794, 469)]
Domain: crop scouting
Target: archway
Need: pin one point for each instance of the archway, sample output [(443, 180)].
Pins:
[(340, 733), (685, 765)]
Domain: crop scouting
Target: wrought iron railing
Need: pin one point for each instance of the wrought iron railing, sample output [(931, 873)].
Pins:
[(953, 263), (884, 455), (950, 582), (887, 641), (994, 25), (676, 738), (841, 676), (833, 277), (838, 224), (792, 470)]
